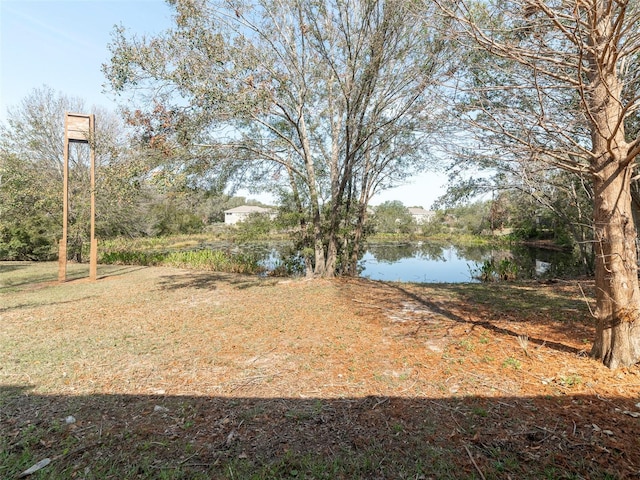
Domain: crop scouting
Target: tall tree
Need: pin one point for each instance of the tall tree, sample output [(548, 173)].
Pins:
[(555, 81), (327, 99)]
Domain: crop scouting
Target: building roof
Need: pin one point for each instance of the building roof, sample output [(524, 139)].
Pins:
[(419, 211), (248, 209)]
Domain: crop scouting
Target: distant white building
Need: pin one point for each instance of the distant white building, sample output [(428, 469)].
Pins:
[(420, 215), (238, 214)]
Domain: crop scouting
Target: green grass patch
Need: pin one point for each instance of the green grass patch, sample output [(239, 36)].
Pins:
[(191, 252)]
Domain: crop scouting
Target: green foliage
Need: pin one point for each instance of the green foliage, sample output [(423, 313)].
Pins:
[(26, 241), (435, 226), (203, 252), (472, 218), (171, 218), (491, 271), (292, 264), (256, 226), (512, 363), (559, 211), (542, 205), (393, 217), (126, 257), (28, 217), (212, 260)]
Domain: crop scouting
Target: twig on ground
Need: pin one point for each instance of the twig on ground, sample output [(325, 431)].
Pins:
[(474, 462), (76, 450), (462, 429), (182, 462), (46, 461), (251, 380), (485, 384), (584, 297), (445, 407), (606, 400), (408, 388), (258, 357), (384, 400)]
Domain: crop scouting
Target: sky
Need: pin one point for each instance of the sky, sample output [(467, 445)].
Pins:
[(62, 44)]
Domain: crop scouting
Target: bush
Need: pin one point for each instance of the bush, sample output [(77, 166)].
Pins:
[(254, 227), (205, 259), (18, 243), (492, 271)]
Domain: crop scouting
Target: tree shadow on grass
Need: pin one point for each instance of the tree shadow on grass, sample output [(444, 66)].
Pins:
[(49, 277), (25, 306), (148, 437), (440, 310), (492, 307), (116, 271), (211, 280), (33, 283), (202, 281), (11, 267)]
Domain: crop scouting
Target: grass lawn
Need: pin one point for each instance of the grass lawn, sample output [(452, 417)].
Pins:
[(164, 373)]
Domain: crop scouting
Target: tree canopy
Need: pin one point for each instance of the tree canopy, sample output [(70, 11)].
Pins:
[(331, 101)]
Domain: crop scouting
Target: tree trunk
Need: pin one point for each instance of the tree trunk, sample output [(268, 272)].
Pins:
[(304, 228), (617, 342), (319, 269), (332, 256), (357, 239)]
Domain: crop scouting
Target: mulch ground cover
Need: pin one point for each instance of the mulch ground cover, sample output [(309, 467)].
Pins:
[(169, 373)]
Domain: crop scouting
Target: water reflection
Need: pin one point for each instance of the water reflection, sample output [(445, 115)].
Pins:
[(427, 262), (540, 262), (435, 263), (421, 262)]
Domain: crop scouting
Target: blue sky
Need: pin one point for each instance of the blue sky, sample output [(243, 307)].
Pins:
[(63, 43)]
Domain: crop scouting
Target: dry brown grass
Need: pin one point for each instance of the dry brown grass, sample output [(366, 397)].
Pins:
[(210, 374)]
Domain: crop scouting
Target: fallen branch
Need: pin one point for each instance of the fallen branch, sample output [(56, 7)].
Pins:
[(474, 463)]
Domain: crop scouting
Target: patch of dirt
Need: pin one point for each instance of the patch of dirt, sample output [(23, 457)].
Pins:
[(474, 381)]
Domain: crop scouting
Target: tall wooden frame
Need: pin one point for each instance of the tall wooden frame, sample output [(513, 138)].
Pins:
[(78, 128)]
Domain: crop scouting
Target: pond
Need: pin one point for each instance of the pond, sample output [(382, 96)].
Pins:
[(426, 262), (413, 263)]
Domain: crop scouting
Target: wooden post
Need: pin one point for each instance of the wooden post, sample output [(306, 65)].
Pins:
[(78, 128), (62, 253), (93, 256)]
